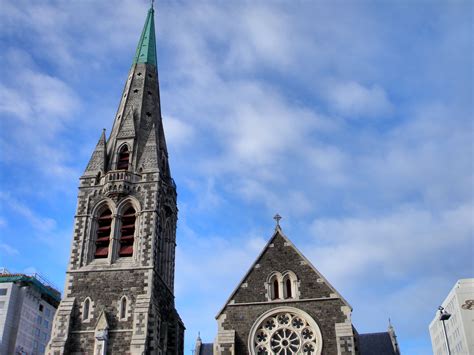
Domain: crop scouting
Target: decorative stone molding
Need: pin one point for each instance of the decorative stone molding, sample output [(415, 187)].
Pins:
[(140, 325), (61, 325), (101, 335), (282, 289), (124, 314), (344, 339), (345, 334), (225, 342), (86, 318)]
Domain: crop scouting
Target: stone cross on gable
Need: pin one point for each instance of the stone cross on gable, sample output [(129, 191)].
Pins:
[(277, 218)]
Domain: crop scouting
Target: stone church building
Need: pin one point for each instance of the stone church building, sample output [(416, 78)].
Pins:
[(119, 293), (283, 305)]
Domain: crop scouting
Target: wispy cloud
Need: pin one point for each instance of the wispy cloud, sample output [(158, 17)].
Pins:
[(7, 249), (353, 121), (352, 99)]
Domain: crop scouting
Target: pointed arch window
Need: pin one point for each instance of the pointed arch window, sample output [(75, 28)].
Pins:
[(123, 158), (288, 288), (86, 309), (276, 289), (127, 233), (123, 308), (102, 240)]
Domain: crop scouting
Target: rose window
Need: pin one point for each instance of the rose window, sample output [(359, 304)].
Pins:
[(286, 333)]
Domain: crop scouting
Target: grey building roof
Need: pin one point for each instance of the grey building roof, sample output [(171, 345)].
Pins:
[(206, 349), (369, 344), (376, 344)]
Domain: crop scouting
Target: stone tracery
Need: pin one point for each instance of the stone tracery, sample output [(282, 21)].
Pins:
[(284, 333)]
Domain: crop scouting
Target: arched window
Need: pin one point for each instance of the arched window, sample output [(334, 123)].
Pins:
[(276, 289), (273, 284), (127, 232), (123, 308), (290, 285), (86, 309), (103, 234), (123, 158), (288, 288)]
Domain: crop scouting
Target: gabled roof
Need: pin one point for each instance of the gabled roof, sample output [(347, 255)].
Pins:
[(376, 344), (279, 232), (206, 349)]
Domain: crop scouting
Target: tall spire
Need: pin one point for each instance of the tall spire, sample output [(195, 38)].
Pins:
[(138, 124), (146, 49)]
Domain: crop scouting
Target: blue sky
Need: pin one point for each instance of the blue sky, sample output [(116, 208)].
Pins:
[(353, 120)]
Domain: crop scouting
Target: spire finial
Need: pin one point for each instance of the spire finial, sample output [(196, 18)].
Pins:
[(277, 218), (152, 3)]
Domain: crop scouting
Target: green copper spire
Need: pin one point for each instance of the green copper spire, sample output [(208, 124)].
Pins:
[(146, 49)]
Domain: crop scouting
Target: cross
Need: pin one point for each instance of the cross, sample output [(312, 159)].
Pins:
[(277, 219)]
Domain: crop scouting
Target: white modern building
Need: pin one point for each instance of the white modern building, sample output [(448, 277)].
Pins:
[(27, 308), (459, 304)]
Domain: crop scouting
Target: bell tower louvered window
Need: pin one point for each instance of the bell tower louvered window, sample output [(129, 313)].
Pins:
[(103, 234), (123, 158), (127, 232)]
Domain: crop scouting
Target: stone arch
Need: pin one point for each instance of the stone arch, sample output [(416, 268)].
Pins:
[(128, 212), (129, 200), (87, 310), (97, 237), (123, 157), (273, 286), (290, 285), (124, 309)]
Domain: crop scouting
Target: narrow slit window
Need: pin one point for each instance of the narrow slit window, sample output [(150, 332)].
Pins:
[(123, 308), (276, 290), (123, 158), (85, 314), (102, 241), (127, 233), (288, 288)]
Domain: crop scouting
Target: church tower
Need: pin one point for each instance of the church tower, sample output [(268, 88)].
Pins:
[(119, 297)]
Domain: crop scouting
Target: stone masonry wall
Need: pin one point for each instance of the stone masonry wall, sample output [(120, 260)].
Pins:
[(105, 296), (316, 297), (325, 313)]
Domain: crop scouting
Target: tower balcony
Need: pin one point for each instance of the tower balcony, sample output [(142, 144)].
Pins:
[(119, 182)]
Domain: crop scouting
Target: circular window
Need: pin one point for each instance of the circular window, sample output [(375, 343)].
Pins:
[(285, 331)]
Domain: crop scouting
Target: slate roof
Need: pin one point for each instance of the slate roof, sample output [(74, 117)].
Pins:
[(376, 344), (206, 349), (369, 344)]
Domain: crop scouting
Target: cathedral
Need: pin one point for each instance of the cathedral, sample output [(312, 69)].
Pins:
[(119, 292)]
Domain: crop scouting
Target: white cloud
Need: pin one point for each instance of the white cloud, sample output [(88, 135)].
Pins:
[(243, 88), (177, 132), (409, 241), (7, 249), (39, 223), (355, 100)]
